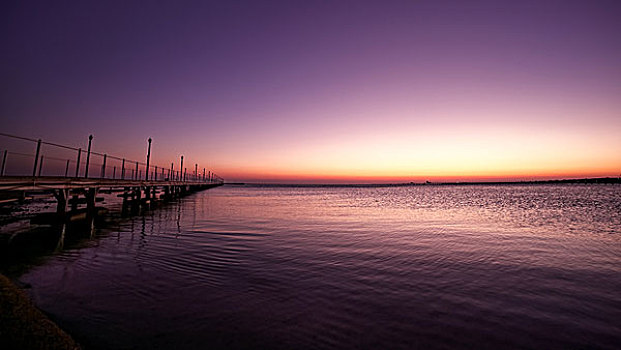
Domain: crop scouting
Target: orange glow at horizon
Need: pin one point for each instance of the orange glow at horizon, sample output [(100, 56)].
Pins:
[(464, 153)]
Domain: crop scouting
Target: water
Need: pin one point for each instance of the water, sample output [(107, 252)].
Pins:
[(339, 268)]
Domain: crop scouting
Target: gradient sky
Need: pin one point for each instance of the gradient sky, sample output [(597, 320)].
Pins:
[(324, 91)]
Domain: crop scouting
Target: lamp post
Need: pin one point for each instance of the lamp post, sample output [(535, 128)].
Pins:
[(148, 156), (181, 170)]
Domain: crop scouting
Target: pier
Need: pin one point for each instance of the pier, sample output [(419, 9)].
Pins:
[(75, 176)]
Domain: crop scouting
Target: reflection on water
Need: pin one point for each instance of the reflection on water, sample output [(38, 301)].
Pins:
[(339, 268)]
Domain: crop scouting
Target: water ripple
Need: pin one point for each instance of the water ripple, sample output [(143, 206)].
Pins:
[(339, 268)]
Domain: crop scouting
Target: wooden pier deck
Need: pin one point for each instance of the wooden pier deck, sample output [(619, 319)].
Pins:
[(51, 183), (74, 179)]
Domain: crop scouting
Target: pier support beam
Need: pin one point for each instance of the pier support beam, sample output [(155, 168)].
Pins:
[(90, 195), (125, 195), (62, 197), (74, 202)]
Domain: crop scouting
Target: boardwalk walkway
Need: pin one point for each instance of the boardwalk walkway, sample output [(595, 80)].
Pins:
[(75, 177)]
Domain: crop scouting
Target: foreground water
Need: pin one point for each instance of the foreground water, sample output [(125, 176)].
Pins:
[(339, 268)]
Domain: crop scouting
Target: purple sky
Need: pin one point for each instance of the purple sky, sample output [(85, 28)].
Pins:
[(323, 89)]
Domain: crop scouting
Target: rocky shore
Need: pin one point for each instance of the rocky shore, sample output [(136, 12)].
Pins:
[(23, 326)]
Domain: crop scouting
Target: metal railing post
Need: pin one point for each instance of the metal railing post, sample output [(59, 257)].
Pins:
[(88, 155), (3, 163), (40, 166), (36, 159), (103, 167), (77, 163)]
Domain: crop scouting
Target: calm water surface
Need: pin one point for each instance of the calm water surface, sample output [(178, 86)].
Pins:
[(339, 268)]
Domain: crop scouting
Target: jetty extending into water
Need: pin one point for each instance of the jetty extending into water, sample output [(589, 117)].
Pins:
[(33, 168), (75, 177)]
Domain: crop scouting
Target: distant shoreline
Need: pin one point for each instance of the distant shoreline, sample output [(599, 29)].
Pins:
[(596, 180)]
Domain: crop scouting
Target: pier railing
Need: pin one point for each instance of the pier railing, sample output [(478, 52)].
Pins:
[(28, 157)]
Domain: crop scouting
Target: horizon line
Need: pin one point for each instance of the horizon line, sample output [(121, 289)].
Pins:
[(412, 183)]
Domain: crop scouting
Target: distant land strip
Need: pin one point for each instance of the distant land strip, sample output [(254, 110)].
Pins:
[(597, 180)]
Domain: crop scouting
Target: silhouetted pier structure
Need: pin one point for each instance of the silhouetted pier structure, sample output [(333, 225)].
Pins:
[(75, 176)]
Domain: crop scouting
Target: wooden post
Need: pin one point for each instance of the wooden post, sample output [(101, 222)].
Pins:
[(155, 173), (148, 156), (77, 163), (195, 172), (61, 197), (136, 178), (61, 237), (88, 155), (74, 202), (123, 169), (3, 163), (36, 159), (114, 172), (90, 200), (67, 168), (103, 167), (125, 195)]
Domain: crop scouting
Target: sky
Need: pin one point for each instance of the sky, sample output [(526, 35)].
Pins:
[(323, 91)]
